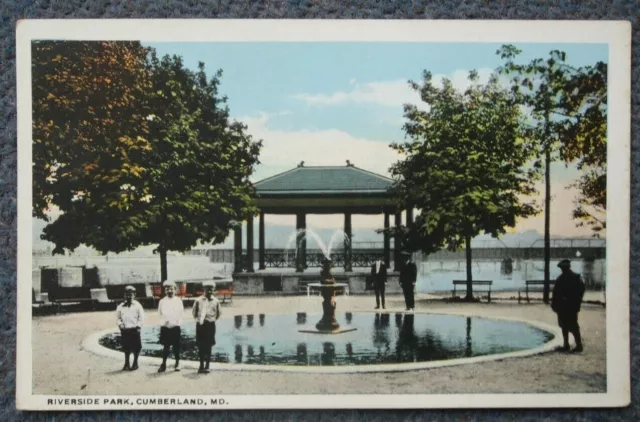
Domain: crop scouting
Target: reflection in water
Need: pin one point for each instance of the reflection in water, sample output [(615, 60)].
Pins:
[(301, 318), (238, 354), (301, 353), (262, 320), (348, 317), (407, 340), (349, 351), (328, 356), (398, 320), (413, 337), (468, 351), (249, 321), (381, 332)]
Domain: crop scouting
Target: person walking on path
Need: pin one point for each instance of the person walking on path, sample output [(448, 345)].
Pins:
[(379, 276), (566, 301), (129, 317), (171, 310), (206, 311), (408, 276)]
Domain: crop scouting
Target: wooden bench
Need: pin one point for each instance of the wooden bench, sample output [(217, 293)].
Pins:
[(485, 286), (224, 289), (534, 286)]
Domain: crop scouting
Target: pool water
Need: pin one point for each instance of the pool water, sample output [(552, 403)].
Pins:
[(380, 338)]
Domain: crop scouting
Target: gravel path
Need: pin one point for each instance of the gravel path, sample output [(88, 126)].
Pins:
[(61, 366)]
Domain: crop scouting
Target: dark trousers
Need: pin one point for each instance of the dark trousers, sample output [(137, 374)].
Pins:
[(206, 339), (568, 321), (379, 289), (170, 337), (408, 296)]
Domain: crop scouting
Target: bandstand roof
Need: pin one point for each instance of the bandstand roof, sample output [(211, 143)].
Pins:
[(325, 189)]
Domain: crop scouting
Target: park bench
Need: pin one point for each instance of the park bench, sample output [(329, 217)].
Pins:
[(68, 295), (534, 286), (224, 289), (477, 285)]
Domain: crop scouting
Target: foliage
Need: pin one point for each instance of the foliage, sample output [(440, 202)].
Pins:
[(464, 165), (184, 180), (89, 136), (199, 185), (567, 118)]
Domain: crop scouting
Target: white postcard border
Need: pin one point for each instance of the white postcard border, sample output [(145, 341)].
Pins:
[(616, 34)]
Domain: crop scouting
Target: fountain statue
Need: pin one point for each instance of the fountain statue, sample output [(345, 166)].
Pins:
[(328, 292), (328, 287)]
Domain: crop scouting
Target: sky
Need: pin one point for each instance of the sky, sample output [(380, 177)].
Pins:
[(325, 103)]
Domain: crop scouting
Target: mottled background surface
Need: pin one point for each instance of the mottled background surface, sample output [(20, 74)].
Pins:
[(11, 11)]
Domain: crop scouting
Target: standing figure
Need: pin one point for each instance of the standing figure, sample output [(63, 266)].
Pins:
[(129, 317), (206, 311), (379, 276), (171, 310), (408, 276), (567, 299)]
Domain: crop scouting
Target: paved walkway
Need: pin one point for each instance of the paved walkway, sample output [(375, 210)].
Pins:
[(61, 366)]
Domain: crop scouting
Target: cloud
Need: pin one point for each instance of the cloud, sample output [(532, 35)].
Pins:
[(385, 93), (392, 93), (283, 150)]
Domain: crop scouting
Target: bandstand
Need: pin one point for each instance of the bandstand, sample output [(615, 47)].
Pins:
[(305, 190)]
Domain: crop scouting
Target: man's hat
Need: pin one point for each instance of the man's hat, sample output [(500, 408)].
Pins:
[(130, 289), (209, 283), (168, 283), (564, 263)]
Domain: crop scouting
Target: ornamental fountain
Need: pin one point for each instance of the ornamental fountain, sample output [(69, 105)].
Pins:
[(328, 324)]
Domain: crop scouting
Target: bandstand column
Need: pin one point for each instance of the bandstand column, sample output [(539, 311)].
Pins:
[(301, 242), (261, 242), (387, 241), (396, 243), (347, 242), (250, 244), (237, 248), (409, 215)]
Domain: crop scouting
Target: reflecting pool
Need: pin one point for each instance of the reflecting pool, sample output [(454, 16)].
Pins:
[(380, 338)]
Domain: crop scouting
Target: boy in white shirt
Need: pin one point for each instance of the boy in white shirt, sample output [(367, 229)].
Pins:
[(206, 311), (171, 309), (129, 317)]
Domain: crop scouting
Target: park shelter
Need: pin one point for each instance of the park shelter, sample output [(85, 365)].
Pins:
[(305, 190)]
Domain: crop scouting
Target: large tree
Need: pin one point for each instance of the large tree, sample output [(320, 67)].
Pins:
[(188, 180), (584, 142), (199, 186), (560, 122), (90, 132), (463, 167)]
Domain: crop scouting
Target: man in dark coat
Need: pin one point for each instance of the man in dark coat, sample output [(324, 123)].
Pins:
[(379, 276), (566, 302), (408, 276)]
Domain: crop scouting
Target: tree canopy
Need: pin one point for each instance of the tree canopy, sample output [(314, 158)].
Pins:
[(464, 165), (172, 170), (567, 120), (568, 116)]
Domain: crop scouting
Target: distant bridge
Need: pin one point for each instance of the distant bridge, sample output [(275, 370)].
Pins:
[(488, 250)]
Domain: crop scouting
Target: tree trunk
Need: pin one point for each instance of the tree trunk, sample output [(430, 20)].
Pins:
[(467, 246), (547, 218), (163, 264)]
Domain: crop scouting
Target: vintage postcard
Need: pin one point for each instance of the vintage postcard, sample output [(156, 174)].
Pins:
[(220, 214)]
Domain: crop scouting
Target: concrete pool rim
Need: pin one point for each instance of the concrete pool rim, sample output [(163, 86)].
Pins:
[(92, 345)]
